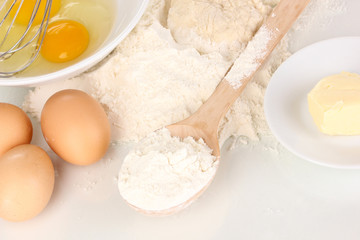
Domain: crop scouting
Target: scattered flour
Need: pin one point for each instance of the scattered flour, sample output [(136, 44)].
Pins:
[(248, 61), (160, 74), (320, 12), (163, 172), (145, 85)]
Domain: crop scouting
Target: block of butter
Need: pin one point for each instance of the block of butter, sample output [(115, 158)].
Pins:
[(334, 104)]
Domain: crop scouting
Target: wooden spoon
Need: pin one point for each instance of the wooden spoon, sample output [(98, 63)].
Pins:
[(205, 121)]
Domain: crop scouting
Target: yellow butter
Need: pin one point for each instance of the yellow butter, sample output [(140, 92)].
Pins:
[(334, 104)]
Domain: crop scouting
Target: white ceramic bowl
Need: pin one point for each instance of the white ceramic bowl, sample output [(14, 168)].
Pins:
[(128, 13)]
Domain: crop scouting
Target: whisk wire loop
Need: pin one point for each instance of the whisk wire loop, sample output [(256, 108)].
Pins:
[(25, 39)]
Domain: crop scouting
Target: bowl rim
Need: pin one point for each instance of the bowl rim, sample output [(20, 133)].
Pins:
[(82, 65)]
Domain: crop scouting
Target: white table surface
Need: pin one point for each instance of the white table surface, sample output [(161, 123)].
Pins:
[(261, 191)]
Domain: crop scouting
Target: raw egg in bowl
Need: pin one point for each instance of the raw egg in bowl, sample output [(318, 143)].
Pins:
[(79, 34)]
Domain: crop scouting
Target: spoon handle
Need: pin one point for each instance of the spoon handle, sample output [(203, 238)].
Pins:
[(244, 68)]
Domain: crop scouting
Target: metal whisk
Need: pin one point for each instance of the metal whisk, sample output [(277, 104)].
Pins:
[(23, 40)]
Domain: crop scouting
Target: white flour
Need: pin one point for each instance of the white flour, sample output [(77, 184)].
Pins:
[(162, 172)]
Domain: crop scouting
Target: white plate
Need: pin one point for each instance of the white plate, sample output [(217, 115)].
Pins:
[(286, 107)]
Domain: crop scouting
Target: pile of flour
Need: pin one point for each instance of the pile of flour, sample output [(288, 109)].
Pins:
[(163, 172), (222, 26), (171, 63)]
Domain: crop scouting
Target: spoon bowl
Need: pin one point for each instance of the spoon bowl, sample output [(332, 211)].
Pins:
[(175, 209), (189, 127)]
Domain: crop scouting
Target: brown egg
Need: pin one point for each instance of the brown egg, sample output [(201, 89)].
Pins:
[(15, 127), (26, 182), (76, 127)]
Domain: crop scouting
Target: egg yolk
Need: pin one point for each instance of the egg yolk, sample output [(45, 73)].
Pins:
[(64, 41), (27, 8)]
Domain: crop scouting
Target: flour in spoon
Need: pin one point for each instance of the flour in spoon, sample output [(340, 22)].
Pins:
[(162, 171)]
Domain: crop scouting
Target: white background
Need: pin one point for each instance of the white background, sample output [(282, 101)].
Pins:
[(261, 190)]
